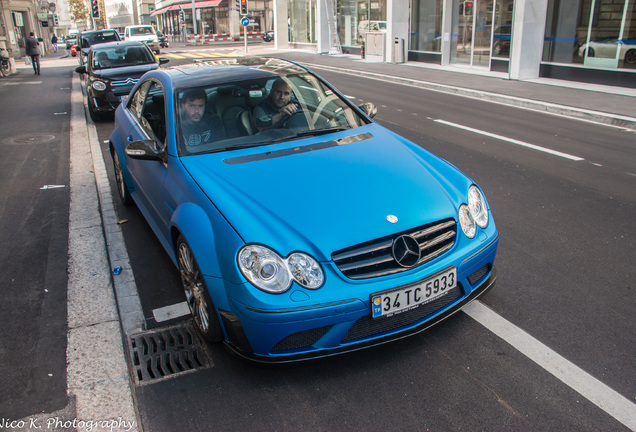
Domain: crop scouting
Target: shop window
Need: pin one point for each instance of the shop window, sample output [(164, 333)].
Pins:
[(595, 33), (426, 25)]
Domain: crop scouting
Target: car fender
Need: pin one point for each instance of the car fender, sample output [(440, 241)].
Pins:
[(212, 242)]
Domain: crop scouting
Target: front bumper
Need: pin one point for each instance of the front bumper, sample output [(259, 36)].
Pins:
[(322, 330)]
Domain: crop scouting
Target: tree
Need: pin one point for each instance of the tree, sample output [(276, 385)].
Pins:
[(79, 11)]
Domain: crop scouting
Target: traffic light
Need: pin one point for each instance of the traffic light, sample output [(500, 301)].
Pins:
[(56, 21), (466, 8), (95, 8), (243, 7), (181, 16)]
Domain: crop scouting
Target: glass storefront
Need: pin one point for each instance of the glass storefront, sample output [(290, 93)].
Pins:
[(594, 33), (357, 17), (472, 24), (426, 25), (302, 21)]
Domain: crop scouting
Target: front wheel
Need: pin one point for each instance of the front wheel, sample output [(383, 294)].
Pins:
[(197, 295), (630, 56), (122, 187)]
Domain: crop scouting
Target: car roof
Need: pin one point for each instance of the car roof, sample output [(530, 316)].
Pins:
[(230, 69), (108, 45)]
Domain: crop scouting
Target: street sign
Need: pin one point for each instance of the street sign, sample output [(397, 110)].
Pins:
[(245, 21)]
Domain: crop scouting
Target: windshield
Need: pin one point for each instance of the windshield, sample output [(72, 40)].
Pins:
[(122, 56), (140, 31), (260, 111), (97, 38)]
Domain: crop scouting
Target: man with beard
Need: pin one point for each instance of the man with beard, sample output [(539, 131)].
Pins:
[(197, 126)]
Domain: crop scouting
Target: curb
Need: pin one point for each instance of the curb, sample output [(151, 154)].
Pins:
[(546, 107)]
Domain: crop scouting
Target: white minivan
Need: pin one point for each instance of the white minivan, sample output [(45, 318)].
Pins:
[(143, 33)]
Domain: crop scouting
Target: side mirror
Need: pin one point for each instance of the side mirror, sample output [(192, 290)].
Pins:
[(81, 69), (163, 60), (144, 150), (369, 109)]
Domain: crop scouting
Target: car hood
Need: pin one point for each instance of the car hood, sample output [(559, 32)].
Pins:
[(323, 195), (121, 73)]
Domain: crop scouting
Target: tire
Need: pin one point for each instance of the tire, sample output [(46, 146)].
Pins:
[(122, 187), (590, 52), (198, 298), (630, 56)]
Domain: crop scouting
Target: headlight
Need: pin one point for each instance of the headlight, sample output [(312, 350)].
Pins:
[(99, 85), (467, 222), (305, 270), (477, 206), (266, 270)]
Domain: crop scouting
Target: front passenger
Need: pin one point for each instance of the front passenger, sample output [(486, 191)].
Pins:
[(197, 126)]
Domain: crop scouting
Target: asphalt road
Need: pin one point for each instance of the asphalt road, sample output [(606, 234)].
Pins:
[(34, 216), (566, 277)]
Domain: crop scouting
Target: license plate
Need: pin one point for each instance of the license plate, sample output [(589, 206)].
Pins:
[(400, 300)]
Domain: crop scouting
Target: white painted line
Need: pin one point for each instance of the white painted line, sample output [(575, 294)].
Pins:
[(511, 140), (610, 401), (171, 312)]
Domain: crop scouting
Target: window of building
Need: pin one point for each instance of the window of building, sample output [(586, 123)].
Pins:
[(302, 21), (358, 17), (426, 25), (595, 33)]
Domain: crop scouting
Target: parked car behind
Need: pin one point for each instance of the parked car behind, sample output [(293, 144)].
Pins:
[(317, 233), (88, 38), (111, 71)]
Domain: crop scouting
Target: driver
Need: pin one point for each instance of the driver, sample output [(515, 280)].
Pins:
[(273, 111), (197, 126)]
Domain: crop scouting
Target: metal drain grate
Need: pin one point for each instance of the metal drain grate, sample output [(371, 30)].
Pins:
[(166, 352)]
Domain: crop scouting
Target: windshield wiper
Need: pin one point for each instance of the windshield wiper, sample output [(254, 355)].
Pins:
[(314, 132)]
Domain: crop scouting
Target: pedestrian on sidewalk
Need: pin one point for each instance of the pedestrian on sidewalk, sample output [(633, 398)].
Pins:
[(33, 50), (54, 42)]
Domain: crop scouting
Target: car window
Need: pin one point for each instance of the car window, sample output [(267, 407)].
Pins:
[(147, 106), (122, 56), (243, 114), (137, 100), (153, 113), (141, 31)]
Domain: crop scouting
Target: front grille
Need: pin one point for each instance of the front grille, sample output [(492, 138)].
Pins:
[(301, 339), (126, 82), (375, 258), (367, 326)]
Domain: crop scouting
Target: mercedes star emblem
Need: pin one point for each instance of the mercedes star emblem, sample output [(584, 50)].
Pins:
[(392, 218), (406, 251)]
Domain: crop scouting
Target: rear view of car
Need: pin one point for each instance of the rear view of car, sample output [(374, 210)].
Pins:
[(145, 34)]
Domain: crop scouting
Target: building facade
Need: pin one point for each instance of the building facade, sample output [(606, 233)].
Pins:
[(583, 40)]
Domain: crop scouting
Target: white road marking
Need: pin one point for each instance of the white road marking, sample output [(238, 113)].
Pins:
[(170, 312), (610, 401), (511, 140)]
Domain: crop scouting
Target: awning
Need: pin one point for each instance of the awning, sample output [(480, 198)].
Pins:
[(187, 5)]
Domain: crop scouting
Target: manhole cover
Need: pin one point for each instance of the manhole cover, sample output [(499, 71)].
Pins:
[(166, 352), (31, 139)]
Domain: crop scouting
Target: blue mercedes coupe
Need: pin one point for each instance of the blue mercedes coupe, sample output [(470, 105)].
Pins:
[(300, 227)]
